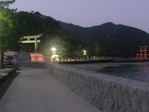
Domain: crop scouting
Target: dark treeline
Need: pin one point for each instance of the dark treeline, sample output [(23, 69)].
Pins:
[(54, 35), (104, 40), (109, 39)]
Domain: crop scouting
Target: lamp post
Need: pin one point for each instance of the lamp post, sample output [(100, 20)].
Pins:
[(53, 49), (84, 52)]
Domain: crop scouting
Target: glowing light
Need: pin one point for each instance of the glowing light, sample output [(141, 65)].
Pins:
[(84, 52), (53, 49), (54, 56), (37, 57)]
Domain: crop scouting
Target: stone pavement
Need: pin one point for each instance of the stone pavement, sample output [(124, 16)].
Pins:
[(35, 90)]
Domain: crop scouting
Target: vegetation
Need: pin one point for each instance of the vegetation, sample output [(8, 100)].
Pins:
[(7, 33), (34, 23), (18, 24), (109, 39), (104, 40), (66, 45)]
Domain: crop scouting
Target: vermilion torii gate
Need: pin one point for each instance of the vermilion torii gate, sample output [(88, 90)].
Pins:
[(142, 52), (31, 39)]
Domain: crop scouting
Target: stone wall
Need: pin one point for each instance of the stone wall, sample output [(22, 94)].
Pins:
[(105, 92), (5, 80)]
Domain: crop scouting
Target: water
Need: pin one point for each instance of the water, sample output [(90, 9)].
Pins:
[(136, 71)]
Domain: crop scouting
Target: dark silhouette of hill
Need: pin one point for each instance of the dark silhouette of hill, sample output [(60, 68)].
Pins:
[(107, 39), (117, 40)]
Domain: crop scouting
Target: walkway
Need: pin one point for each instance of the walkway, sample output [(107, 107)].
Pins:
[(34, 90)]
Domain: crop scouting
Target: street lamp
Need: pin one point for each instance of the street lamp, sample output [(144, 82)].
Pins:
[(53, 49), (54, 56), (84, 52)]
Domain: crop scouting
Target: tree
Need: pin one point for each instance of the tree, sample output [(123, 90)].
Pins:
[(66, 45), (98, 49), (6, 25)]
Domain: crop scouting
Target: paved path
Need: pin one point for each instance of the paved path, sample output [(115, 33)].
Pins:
[(35, 90)]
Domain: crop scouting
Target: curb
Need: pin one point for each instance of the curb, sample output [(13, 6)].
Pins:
[(6, 80)]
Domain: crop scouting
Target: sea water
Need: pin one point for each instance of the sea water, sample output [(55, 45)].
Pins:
[(135, 71)]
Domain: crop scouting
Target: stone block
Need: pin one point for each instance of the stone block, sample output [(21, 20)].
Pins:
[(126, 98), (141, 94), (144, 104), (107, 93), (134, 102), (129, 109)]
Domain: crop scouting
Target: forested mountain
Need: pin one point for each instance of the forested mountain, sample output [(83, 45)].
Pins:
[(70, 40), (109, 39), (34, 23)]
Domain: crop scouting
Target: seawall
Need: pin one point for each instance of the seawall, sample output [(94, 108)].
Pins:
[(5, 80), (105, 92)]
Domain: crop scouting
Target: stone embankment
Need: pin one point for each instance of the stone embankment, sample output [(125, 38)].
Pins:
[(107, 93), (6, 77)]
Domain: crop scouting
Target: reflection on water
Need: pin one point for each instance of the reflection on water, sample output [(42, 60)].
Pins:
[(138, 71)]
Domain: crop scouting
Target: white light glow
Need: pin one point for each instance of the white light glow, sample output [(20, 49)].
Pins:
[(53, 49)]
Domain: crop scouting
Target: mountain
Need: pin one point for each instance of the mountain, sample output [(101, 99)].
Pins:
[(107, 39), (107, 31), (117, 40)]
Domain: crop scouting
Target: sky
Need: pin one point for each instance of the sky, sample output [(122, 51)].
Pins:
[(89, 13)]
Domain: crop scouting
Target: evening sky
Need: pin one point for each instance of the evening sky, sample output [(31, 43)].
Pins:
[(88, 13)]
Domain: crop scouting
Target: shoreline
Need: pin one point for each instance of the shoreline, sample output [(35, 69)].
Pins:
[(98, 66), (114, 60)]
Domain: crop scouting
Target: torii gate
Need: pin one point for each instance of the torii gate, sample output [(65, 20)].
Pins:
[(31, 39), (142, 54)]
